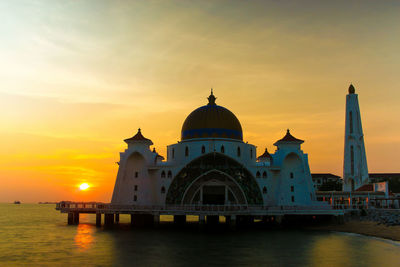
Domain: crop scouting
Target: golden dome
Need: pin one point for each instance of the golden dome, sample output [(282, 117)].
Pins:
[(211, 121)]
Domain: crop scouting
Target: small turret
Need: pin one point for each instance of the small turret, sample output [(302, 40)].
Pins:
[(138, 139), (266, 157)]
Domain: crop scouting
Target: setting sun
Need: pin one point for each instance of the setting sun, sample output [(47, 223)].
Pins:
[(84, 186)]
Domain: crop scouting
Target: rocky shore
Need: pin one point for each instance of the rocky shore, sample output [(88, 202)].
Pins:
[(385, 217), (377, 223)]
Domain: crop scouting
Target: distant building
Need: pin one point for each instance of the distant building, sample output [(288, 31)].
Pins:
[(327, 182), (392, 178), (211, 165)]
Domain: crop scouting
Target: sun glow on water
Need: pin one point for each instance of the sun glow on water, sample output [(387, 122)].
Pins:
[(84, 186)]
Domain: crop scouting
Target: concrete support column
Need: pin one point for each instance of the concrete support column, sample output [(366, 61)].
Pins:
[(76, 217), (98, 219), (70, 218), (108, 219), (156, 220), (278, 219), (116, 217), (132, 219), (212, 219), (179, 219), (202, 221), (231, 222)]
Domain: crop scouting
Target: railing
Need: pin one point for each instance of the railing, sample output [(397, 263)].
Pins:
[(94, 206)]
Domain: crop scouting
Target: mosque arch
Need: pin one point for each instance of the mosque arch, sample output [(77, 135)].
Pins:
[(264, 175), (217, 179), (218, 163)]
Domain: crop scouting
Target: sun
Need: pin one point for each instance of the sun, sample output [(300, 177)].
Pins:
[(84, 186)]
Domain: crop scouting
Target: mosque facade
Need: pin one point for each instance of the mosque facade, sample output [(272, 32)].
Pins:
[(211, 165)]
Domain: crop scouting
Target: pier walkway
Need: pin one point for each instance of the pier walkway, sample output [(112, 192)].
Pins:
[(149, 214)]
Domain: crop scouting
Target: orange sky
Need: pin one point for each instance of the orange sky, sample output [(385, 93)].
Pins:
[(78, 77)]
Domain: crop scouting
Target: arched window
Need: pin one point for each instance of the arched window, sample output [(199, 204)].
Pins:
[(186, 151), (264, 190), (291, 175), (169, 174), (173, 153), (258, 175), (352, 159), (163, 174), (163, 190), (135, 198), (135, 189), (292, 198), (238, 151), (136, 174), (292, 188), (351, 121), (251, 153), (222, 149), (203, 149), (264, 174)]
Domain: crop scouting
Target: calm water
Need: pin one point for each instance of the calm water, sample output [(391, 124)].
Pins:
[(37, 235)]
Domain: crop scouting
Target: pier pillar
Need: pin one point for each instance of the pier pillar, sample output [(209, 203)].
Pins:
[(70, 218), (212, 220), (179, 219), (156, 220), (231, 221), (202, 221), (108, 219), (98, 219), (278, 219), (116, 217), (76, 217), (142, 219)]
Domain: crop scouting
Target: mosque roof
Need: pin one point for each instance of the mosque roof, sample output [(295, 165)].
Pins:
[(265, 155), (138, 137), (288, 138), (158, 155), (211, 121)]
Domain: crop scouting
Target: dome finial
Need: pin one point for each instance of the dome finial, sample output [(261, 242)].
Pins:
[(352, 90), (211, 98)]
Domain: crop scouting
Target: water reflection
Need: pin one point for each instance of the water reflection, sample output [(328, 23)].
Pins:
[(84, 236)]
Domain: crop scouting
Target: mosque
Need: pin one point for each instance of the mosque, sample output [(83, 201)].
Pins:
[(211, 172), (211, 165)]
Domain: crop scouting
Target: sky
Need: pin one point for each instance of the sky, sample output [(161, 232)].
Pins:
[(79, 77)]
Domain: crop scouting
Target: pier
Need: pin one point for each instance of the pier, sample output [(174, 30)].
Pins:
[(148, 215), (332, 204)]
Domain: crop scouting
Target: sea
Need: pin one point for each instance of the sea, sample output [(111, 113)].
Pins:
[(38, 235)]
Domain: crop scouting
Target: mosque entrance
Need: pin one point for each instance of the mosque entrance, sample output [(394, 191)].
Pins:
[(214, 189), (225, 182), (213, 195)]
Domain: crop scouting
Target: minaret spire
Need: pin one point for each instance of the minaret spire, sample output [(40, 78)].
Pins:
[(355, 169)]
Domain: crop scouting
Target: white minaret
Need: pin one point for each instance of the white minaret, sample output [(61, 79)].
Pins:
[(355, 169)]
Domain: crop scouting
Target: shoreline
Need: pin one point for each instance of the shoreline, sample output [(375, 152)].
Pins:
[(368, 228)]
